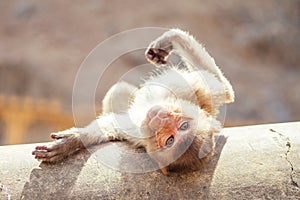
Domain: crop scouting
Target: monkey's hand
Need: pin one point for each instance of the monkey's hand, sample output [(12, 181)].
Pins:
[(157, 56), (159, 50), (66, 143)]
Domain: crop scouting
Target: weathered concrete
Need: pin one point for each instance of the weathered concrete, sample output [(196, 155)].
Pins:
[(254, 162)]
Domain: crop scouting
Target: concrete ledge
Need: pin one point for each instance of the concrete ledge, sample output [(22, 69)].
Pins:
[(253, 162)]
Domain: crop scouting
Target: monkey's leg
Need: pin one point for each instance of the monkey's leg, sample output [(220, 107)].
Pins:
[(104, 129), (191, 52), (118, 98)]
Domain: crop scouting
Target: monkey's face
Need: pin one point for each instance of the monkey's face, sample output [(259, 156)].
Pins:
[(173, 127), (174, 133), (169, 130)]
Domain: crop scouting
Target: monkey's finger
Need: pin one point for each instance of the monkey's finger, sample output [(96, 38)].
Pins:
[(49, 147), (44, 154), (163, 53), (162, 62), (150, 53), (157, 51), (157, 55), (35, 151), (57, 136), (53, 159), (63, 135), (43, 147), (156, 59)]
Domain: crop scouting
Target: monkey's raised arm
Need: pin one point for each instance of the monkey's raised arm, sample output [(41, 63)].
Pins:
[(191, 52)]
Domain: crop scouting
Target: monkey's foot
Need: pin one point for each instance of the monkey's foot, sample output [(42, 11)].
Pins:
[(64, 146)]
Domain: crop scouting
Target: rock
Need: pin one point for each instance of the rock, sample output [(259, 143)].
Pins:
[(252, 162)]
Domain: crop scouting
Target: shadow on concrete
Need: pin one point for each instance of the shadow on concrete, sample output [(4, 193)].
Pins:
[(56, 181)]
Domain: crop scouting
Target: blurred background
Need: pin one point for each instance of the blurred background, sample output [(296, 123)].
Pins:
[(43, 43)]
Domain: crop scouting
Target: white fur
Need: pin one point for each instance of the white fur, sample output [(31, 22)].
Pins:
[(169, 86), (125, 107)]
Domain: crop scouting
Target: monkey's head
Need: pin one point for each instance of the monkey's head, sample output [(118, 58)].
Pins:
[(181, 136)]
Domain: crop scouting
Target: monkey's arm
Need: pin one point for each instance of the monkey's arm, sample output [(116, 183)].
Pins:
[(110, 127), (192, 53)]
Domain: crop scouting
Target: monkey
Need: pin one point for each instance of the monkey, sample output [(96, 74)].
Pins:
[(172, 114)]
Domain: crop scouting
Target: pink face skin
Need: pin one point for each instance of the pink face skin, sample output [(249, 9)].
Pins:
[(167, 126)]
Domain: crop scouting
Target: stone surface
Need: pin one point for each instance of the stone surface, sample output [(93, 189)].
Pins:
[(254, 162)]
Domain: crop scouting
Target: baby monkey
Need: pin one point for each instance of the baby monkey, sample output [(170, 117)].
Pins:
[(172, 115)]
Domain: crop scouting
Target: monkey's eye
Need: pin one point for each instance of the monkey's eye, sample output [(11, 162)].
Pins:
[(170, 141), (184, 126)]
